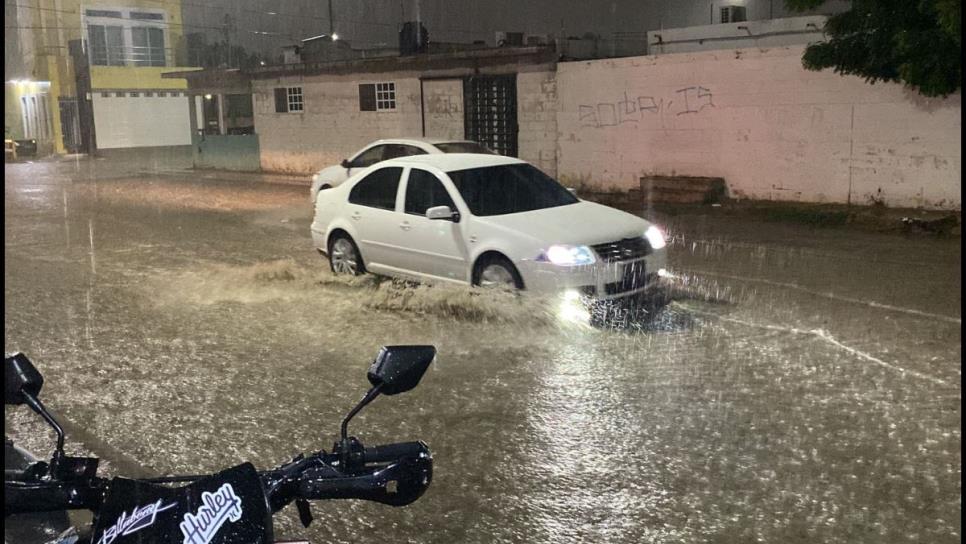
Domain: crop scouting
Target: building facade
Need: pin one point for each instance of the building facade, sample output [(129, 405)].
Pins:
[(93, 69), (311, 115)]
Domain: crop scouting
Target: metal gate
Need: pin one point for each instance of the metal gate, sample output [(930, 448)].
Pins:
[(70, 124), (490, 106)]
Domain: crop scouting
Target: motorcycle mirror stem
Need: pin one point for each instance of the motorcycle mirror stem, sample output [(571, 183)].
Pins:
[(37, 406), (344, 445)]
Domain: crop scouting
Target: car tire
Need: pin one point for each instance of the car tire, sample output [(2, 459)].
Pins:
[(344, 256), (496, 271)]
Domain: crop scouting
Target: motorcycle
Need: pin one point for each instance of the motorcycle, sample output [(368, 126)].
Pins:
[(233, 506)]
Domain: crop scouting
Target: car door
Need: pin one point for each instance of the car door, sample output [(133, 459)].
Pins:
[(372, 212), (432, 248)]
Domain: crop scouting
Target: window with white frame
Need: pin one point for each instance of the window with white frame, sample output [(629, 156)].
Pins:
[(289, 100), (126, 36), (385, 96), (295, 99), (36, 117)]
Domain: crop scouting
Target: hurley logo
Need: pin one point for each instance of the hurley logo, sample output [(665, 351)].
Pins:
[(217, 508), (139, 518)]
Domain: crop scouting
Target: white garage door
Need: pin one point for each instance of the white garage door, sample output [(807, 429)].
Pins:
[(141, 118)]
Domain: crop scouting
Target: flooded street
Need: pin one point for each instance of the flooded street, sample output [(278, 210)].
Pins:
[(804, 385)]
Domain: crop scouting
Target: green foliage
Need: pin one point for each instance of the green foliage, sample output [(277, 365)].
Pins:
[(917, 42), (218, 54)]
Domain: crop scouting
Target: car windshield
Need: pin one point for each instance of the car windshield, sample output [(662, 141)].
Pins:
[(509, 188), (464, 147)]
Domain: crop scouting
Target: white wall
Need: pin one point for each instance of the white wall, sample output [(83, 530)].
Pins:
[(142, 121), (330, 127), (758, 119), (443, 104), (537, 119), (748, 34)]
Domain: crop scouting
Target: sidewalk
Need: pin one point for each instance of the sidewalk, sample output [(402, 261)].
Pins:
[(231, 175), (866, 218)]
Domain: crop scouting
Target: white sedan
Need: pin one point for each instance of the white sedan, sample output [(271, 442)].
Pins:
[(381, 150), (484, 220)]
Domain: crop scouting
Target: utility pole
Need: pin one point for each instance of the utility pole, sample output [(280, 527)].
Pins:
[(331, 22), (228, 27)]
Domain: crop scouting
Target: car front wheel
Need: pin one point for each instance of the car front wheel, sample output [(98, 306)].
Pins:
[(497, 272), (344, 256)]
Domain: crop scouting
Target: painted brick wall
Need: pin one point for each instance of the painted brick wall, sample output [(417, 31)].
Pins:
[(537, 119), (331, 127), (443, 100), (758, 119)]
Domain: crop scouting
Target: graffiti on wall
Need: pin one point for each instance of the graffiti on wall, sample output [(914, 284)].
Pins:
[(686, 101), (444, 105)]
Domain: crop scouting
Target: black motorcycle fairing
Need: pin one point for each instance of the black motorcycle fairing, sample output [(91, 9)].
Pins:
[(225, 508)]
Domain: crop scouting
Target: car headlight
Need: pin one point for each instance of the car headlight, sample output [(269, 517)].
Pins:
[(568, 255), (655, 237)]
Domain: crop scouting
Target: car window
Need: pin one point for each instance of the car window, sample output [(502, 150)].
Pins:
[(378, 189), (464, 147), (509, 188), (399, 150), (369, 157), (424, 191)]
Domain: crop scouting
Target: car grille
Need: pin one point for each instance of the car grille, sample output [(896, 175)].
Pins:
[(634, 276), (623, 250)]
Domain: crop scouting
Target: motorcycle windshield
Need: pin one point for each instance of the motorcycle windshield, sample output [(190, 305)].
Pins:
[(227, 507)]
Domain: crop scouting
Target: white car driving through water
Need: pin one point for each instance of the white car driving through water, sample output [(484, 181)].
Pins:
[(381, 150), (484, 220)]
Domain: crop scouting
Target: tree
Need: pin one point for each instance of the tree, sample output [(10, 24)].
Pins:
[(217, 54), (916, 42)]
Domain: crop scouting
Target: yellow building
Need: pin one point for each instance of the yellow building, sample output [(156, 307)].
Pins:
[(86, 74)]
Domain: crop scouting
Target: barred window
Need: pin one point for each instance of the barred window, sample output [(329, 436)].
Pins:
[(289, 99), (295, 99), (385, 96), (377, 96)]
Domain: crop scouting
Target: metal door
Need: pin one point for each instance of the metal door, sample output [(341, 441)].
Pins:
[(490, 106), (70, 124)]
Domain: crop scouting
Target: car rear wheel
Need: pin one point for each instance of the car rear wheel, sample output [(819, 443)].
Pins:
[(497, 272), (344, 256)]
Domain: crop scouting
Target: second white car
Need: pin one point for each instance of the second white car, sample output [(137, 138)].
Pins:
[(381, 150)]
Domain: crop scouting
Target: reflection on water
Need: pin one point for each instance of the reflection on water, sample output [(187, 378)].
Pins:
[(211, 334)]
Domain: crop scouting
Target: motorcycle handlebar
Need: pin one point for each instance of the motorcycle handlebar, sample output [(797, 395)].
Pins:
[(395, 474), (388, 453)]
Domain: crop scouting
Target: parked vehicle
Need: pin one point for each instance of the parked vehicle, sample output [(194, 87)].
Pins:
[(484, 220), (233, 506), (382, 150)]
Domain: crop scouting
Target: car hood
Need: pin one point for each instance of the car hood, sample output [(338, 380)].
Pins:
[(583, 223)]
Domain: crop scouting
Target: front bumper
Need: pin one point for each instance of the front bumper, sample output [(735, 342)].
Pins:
[(601, 280)]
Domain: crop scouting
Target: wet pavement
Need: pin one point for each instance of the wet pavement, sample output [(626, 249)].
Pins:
[(804, 386)]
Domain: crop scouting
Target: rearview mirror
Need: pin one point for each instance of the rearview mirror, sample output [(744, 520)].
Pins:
[(20, 378), (398, 369), (442, 213), (345, 163)]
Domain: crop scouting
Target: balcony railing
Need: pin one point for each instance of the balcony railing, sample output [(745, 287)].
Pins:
[(132, 55)]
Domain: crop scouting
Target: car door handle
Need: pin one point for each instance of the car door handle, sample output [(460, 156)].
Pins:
[(405, 225), (356, 215)]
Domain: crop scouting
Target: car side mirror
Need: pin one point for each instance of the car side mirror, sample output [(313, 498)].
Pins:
[(398, 369), (443, 213), (20, 379), (346, 164)]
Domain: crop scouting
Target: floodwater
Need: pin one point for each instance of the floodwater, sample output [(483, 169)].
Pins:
[(804, 386)]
